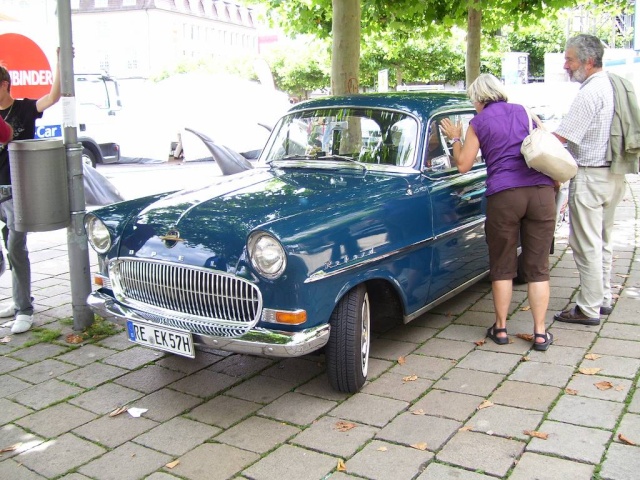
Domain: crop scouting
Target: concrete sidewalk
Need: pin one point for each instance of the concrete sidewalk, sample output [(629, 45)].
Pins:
[(440, 403)]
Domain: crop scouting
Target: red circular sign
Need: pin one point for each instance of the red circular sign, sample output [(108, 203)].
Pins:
[(31, 75)]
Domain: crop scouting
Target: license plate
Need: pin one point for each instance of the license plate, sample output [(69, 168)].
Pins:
[(171, 340)]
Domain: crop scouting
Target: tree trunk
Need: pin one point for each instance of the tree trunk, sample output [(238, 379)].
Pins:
[(345, 56), (474, 25)]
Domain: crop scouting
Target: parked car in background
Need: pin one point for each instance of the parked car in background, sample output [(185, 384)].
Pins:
[(353, 216)]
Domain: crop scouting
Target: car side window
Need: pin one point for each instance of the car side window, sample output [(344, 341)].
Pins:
[(440, 150)]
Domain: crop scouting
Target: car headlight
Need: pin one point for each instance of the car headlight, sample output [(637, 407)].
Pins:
[(97, 234), (267, 255)]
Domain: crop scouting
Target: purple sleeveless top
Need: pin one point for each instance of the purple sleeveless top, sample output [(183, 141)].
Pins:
[(500, 128)]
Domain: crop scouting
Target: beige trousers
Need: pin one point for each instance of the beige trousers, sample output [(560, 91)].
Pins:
[(594, 194)]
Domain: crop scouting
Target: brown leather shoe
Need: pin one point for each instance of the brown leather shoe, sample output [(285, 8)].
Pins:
[(606, 310), (575, 315)]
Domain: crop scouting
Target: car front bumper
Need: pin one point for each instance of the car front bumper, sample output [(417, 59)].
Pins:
[(258, 341)]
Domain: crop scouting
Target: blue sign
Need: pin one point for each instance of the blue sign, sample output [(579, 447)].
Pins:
[(48, 131)]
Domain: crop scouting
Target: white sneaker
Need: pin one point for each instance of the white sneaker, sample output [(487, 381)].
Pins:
[(7, 310), (22, 323)]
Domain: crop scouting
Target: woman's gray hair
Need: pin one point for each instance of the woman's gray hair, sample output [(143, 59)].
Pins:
[(586, 47), (486, 89)]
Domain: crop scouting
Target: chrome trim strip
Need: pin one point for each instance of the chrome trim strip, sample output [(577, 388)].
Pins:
[(444, 298), (257, 341), (460, 228)]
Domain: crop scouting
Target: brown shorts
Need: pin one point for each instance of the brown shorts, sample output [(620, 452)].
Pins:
[(520, 216)]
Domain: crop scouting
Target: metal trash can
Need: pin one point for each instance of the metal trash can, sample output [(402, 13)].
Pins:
[(40, 185)]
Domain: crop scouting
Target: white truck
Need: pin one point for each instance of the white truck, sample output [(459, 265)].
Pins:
[(29, 54)]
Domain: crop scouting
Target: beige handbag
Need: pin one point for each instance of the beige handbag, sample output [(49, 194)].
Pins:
[(545, 153)]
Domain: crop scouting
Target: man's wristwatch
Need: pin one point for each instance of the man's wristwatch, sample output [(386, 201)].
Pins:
[(456, 139)]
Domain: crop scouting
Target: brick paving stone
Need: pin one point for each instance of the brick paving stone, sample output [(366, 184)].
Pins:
[(377, 367), (433, 320), (339, 476), (621, 348), (409, 429), (325, 436), (38, 352), (257, 434), (204, 383), (118, 342), (85, 355), (437, 471), (223, 411), (476, 318), (297, 408), (629, 428), (11, 470), (149, 378), (212, 461), (387, 461), (390, 349), (10, 385), (559, 355), (92, 375), (621, 463), (319, 387), (463, 333), (614, 366), (400, 387), (492, 362), (544, 467), (177, 436), (59, 455), (443, 348), (134, 357), (9, 364), (44, 394), (542, 373), (165, 404), (295, 370), (369, 409), (457, 406), (106, 398), (585, 385), (588, 412), (634, 406), (505, 421), (261, 389), (10, 411), (423, 366), (127, 462), (409, 333), (11, 435), (477, 451), (472, 382), (300, 463), (161, 476), (114, 431), (620, 331), (516, 345), (571, 441), (568, 338), (525, 395), (56, 420), (189, 365), (241, 366)]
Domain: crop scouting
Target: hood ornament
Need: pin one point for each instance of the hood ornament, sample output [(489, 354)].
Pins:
[(171, 238)]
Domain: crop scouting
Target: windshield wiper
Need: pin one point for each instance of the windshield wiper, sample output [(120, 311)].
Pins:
[(344, 158)]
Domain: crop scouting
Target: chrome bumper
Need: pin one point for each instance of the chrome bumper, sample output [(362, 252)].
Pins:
[(259, 341)]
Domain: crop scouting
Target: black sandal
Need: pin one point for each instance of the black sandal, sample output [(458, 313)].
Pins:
[(493, 332), (544, 345)]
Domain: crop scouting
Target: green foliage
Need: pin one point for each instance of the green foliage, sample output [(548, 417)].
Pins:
[(100, 328), (42, 335)]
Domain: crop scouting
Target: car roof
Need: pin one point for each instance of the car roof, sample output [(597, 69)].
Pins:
[(421, 104)]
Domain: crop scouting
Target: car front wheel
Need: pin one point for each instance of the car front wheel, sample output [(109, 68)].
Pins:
[(89, 158), (347, 351)]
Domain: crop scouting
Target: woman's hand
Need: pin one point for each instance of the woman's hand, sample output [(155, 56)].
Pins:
[(450, 130)]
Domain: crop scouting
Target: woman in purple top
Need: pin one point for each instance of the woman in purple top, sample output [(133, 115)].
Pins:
[(520, 203)]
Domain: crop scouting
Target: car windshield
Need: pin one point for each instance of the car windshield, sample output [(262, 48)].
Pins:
[(369, 136)]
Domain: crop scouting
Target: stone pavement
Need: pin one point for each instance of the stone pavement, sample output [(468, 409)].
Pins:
[(439, 403)]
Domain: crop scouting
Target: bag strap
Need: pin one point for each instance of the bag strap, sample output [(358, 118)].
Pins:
[(533, 118)]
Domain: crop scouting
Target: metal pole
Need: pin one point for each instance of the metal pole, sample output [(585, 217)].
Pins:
[(78, 247)]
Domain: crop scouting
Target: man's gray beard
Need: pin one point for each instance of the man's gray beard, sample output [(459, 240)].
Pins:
[(579, 75)]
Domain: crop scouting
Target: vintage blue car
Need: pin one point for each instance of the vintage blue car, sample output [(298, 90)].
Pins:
[(353, 215)]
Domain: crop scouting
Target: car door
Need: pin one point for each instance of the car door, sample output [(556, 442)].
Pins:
[(460, 252)]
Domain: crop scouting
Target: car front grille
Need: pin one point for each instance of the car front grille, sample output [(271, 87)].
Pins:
[(203, 301)]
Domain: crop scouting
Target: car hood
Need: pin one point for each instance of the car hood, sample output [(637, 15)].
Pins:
[(209, 226)]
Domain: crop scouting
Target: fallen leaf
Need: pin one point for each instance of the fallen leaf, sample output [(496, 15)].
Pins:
[(6, 339), (592, 356), (615, 295), (467, 428), (570, 391), (382, 449), (11, 448), (172, 464), (624, 439), (73, 338), (419, 411), (410, 378), (604, 385), (619, 388), (341, 466), (343, 426), (525, 336), (510, 340), (534, 433), (525, 359), (419, 446), (480, 342), (485, 404), (401, 361), (526, 308), (589, 371), (118, 411)]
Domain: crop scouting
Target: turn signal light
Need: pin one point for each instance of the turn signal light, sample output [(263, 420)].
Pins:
[(291, 318)]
